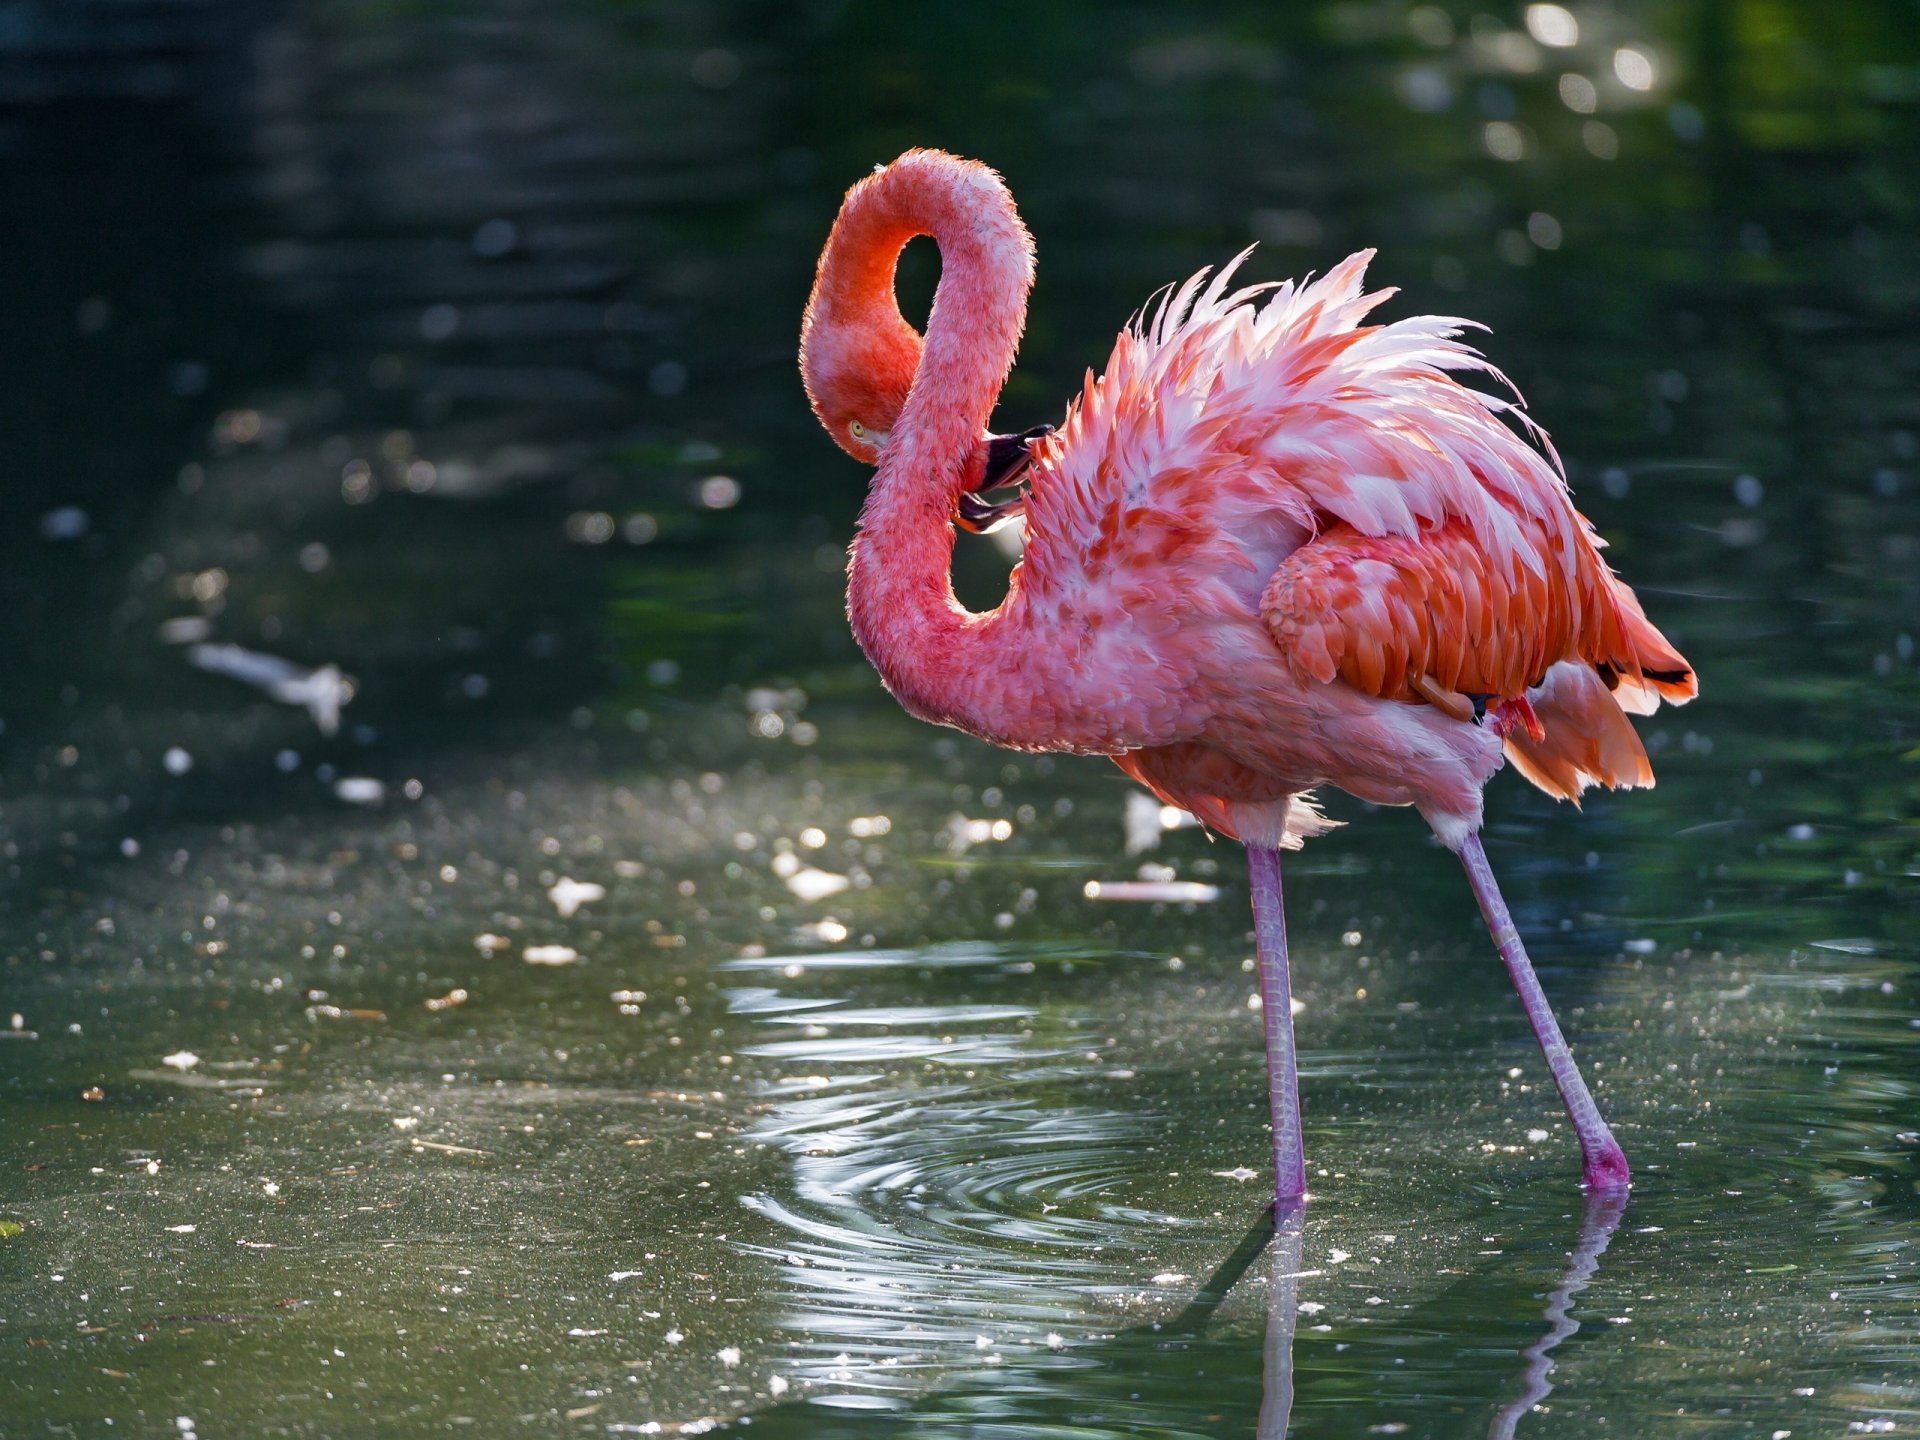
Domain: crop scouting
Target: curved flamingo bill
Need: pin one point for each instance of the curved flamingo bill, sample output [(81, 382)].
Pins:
[(1008, 457)]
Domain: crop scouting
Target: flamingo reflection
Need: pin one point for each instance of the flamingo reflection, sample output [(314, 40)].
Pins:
[(1597, 1224), (1282, 1237)]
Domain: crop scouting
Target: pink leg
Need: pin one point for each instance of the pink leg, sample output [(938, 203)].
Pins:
[(1276, 1011), (1605, 1166)]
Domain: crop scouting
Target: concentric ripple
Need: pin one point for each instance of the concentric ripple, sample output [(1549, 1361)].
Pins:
[(937, 1219)]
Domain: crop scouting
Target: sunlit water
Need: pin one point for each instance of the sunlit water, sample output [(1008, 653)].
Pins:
[(589, 1006)]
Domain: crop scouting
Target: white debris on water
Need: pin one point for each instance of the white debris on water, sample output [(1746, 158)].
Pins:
[(176, 761), (811, 884), (729, 1357), (549, 955), (1147, 820), (360, 789), (806, 881), (320, 692), (1175, 892), (568, 895), (181, 1060)]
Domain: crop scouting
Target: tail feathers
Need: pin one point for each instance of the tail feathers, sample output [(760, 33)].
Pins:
[(1587, 738), (1650, 670)]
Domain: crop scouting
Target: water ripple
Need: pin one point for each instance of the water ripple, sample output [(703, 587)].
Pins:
[(932, 1224)]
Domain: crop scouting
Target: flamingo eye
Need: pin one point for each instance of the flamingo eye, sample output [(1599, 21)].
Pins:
[(856, 429)]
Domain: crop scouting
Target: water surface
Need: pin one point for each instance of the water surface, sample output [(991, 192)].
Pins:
[(624, 1021)]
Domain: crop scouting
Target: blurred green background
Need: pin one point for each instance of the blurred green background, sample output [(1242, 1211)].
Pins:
[(441, 359)]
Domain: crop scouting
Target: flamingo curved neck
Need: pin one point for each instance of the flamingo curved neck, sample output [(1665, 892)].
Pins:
[(939, 659)]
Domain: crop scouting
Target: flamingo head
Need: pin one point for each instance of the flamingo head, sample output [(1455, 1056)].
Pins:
[(858, 371)]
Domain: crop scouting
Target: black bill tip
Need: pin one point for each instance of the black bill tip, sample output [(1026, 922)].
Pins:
[(1008, 457)]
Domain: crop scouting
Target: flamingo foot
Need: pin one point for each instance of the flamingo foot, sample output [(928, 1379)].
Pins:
[(1276, 1012), (1604, 1164), (1604, 1170)]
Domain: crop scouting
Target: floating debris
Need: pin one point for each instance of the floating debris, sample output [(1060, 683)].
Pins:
[(549, 955), (1147, 820), (360, 789), (568, 895), (1179, 892), (810, 884), (182, 1229), (321, 693), (335, 1012), (806, 881), (181, 1060), (446, 1001), (1851, 945), (491, 944), (185, 1081), (440, 1147)]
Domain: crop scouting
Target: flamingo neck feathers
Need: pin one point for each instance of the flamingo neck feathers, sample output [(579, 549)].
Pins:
[(941, 661)]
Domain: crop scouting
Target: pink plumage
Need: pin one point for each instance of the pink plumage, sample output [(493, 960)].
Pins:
[(1271, 546)]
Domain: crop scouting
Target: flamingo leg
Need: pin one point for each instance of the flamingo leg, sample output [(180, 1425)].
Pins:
[(1604, 1166), (1276, 1012)]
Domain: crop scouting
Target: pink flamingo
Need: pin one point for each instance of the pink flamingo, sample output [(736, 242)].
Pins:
[(1272, 547)]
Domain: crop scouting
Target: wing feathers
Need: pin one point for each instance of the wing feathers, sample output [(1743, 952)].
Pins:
[(1441, 547)]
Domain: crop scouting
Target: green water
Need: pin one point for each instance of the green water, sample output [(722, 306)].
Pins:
[(453, 347)]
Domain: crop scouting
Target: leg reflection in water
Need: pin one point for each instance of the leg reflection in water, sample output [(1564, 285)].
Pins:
[(1283, 1310), (1282, 1237), (1597, 1225)]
